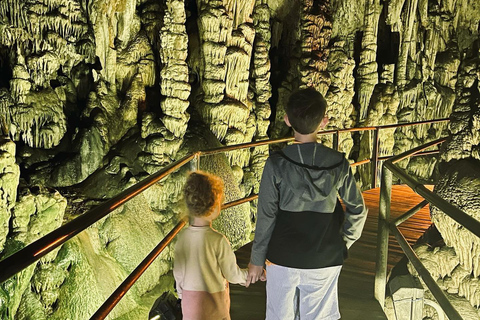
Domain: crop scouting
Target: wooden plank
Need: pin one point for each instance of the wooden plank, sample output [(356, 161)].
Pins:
[(357, 276)]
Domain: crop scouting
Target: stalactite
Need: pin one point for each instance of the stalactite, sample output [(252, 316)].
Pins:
[(340, 94), (262, 92), (164, 136), (407, 41), (225, 79), (43, 46), (214, 27), (316, 31), (308, 65), (367, 69)]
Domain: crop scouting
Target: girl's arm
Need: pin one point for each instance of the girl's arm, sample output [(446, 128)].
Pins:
[(228, 264), (178, 271)]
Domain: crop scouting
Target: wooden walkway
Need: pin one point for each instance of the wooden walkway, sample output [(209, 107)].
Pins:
[(357, 277)]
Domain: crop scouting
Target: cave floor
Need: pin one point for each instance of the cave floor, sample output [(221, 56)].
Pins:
[(357, 277)]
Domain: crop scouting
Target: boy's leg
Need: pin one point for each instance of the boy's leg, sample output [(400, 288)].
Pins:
[(281, 287), (319, 294)]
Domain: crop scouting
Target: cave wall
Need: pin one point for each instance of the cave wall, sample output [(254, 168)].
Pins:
[(455, 260), (95, 95)]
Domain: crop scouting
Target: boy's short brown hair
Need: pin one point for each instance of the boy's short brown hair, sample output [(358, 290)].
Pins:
[(202, 192), (305, 110)]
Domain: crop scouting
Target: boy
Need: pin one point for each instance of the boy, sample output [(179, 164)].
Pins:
[(300, 228), (204, 261)]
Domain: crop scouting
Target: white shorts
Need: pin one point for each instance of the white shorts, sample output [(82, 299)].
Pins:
[(302, 294)]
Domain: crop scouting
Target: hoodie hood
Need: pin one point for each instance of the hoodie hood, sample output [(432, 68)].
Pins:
[(315, 171)]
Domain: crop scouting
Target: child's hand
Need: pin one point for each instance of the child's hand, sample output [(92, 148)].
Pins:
[(254, 273), (263, 277)]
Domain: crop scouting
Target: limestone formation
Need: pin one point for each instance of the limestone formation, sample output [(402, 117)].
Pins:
[(227, 37), (308, 58), (164, 138), (45, 48), (458, 270), (367, 69), (262, 92), (36, 213), (9, 179), (340, 109), (381, 111), (96, 95), (464, 126), (235, 223)]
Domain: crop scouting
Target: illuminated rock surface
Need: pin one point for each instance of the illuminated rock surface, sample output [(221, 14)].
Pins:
[(9, 177), (96, 95), (456, 265)]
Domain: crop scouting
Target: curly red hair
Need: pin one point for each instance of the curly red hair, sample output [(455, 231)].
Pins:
[(202, 192)]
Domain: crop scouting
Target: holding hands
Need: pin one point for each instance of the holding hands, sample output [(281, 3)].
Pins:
[(255, 273)]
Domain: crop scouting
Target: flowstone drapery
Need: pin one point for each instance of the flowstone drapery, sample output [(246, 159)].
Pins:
[(36, 213)]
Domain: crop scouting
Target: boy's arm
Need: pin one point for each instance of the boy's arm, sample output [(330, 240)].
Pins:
[(228, 264), (356, 211), (267, 209)]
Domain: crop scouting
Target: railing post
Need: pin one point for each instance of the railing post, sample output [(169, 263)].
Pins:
[(375, 157), (382, 236), (336, 140), (195, 166)]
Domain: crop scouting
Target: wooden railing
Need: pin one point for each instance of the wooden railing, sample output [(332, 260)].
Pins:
[(385, 227), (34, 251)]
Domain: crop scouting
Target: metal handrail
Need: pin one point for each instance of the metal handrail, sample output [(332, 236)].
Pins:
[(121, 290), (384, 226), (426, 276), (34, 251), (118, 294), (467, 221)]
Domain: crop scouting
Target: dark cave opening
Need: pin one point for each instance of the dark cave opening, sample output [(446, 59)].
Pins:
[(6, 72), (388, 43)]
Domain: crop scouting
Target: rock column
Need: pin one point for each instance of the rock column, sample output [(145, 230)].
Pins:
[(9, 178), (309, 62), (227, 34), (164, 136)]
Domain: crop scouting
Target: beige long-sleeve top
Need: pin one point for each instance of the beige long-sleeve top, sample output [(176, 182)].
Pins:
[(204, 264)]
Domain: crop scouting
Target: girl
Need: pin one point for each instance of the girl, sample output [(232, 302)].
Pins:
[(204, 261)]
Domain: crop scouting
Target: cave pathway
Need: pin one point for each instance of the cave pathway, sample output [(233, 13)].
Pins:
[(356, 282)]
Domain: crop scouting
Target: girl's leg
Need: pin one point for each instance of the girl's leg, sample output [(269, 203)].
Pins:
[(281, 286)]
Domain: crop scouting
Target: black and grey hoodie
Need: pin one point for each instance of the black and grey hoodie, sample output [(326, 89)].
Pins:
[(299, 222)]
